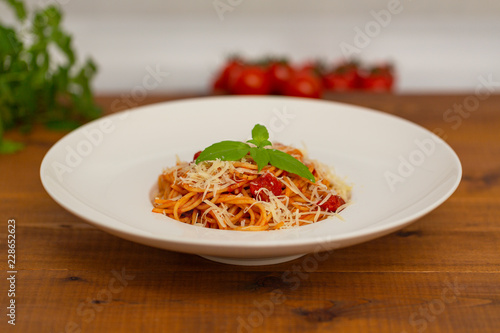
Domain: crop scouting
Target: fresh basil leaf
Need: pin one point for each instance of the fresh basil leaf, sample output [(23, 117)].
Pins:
[(9, 42), (10, 147), (261, 144), (260, 133), (62, 125), (19, 9), (235, 150), (34, 86), (260, 136), (260, 156), (289, 163), (224, 150)]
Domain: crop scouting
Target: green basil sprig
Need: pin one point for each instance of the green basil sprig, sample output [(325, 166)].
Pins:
[(41, 80), (236, 150)]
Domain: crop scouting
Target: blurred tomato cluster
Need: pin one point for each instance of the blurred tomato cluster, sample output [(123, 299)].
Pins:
[(272, 76)]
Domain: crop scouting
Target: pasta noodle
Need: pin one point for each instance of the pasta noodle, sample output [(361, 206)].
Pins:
[(234, 195)]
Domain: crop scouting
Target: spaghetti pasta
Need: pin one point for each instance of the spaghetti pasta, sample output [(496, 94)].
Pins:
[(234, 195)]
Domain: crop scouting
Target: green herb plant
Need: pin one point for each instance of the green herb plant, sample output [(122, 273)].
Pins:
[(236, 150), (40, 80)]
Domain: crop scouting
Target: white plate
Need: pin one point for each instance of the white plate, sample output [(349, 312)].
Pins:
[(104, 172)]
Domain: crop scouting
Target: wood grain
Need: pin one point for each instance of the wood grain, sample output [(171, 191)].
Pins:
[(440, 274)]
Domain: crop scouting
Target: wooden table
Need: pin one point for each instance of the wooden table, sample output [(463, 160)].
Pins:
[(440, 274)]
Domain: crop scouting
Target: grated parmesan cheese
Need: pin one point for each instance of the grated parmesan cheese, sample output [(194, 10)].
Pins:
[(215, 176)]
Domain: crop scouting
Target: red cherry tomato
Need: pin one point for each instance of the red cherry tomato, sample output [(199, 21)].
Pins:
[(280, 73), (332, 204), (338, 82), (378, 84), (232, 66), (196, 155), (342, 79), (250, 80), (345, 77), (304, 83), (317, 67), (267, 181), (379, 79)]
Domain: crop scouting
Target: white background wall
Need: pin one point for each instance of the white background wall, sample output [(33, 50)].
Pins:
[(436, 45)]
